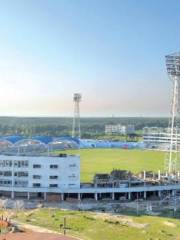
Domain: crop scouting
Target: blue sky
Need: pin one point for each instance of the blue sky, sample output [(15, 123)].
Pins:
[(110, 51)]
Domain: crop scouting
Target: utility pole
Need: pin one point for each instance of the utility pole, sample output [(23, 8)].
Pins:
[(175, 205), (64, 225), (137, 205)]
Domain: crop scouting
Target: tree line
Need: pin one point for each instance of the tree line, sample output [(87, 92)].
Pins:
[(58, 126)]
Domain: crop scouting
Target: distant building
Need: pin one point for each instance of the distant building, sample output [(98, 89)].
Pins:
[(112, 129), (159, 138)]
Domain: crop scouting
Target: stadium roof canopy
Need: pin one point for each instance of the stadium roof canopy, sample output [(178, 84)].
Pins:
[(43, 139), (13, 138), (17, 138), (67, 138)]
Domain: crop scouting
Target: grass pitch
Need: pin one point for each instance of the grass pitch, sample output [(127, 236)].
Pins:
[(93, 226), (105, 160)]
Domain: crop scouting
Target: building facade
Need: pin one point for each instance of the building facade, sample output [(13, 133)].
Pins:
[(159, 138), (58, 178), (39, 173), (119, 129)]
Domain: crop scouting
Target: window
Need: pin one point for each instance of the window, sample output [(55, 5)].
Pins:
[(8, 163), (21, 183), (20, 164), (5, 163), (24, 163), (73, 177), (53, 166), (36, 177), (36, 184), (21, 174), (53, 177), (6, 173), (5, 182), (36, 166), (72, 165), (53, 185)]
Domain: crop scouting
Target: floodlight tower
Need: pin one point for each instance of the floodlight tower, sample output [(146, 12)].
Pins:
[(76, 129), (173, 70)]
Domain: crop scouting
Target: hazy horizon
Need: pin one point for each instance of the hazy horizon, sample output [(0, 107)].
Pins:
[(113, 52)]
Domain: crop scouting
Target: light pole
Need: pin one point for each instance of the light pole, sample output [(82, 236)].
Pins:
[(173, 70), (76, 128)]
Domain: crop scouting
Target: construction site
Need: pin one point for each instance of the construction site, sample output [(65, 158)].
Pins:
[(124, 185), (33, 177), (56, 178)]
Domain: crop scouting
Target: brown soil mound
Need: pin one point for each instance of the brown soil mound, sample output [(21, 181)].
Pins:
[(4, 224)]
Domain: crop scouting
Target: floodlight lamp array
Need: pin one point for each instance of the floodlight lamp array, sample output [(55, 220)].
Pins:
[(77, 97), (173, 65)]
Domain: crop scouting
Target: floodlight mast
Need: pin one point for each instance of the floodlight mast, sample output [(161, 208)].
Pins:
[(173, 70), (76, 128)]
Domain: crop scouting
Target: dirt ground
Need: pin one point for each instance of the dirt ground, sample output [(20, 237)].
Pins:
[(34, 236)]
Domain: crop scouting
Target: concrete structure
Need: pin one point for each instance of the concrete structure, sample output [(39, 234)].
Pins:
[(40, 174), (119, 129), (158, 138), (58, 178)]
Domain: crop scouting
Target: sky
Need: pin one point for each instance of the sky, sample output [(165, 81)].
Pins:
[(111, 51)]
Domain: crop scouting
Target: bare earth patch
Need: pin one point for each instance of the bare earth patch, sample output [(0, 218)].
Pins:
[(35, 236), (121, 219), (170, 224)]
